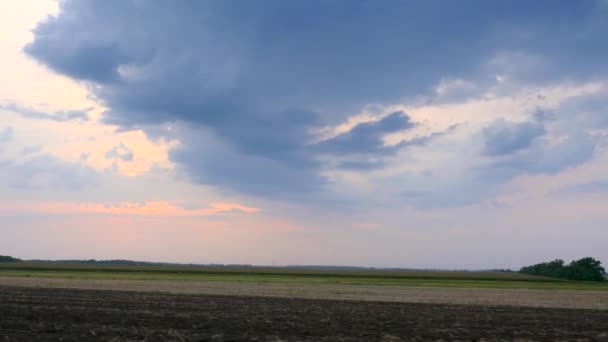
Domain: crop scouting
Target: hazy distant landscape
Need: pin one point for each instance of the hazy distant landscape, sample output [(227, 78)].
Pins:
[(133, 270)]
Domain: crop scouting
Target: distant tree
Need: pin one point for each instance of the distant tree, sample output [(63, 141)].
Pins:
[(554, 269), (5, 258), (586, 269)]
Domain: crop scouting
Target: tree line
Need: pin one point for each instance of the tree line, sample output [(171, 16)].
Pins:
[(585, 269), (5, 258)]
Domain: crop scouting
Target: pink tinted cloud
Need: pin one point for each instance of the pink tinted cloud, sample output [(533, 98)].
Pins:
[(158, 208)]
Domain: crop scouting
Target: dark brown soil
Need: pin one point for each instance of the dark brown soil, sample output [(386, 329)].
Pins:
[(29, 314)]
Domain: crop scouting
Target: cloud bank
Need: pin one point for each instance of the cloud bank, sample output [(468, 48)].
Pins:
[(248, 89)]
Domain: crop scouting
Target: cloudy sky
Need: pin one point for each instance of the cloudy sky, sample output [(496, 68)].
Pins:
[(443, 134)]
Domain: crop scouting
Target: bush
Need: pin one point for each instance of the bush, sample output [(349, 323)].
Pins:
[(586, 269)]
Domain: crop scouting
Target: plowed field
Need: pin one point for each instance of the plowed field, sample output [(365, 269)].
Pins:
[(43, 314)]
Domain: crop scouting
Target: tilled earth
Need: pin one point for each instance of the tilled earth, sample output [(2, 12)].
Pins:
[(38, 314)]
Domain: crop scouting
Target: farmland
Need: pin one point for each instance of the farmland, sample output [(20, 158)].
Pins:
[(75, 302), (466, 279), (92, 315)]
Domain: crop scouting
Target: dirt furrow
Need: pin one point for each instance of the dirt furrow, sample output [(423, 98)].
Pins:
[(28, 314)]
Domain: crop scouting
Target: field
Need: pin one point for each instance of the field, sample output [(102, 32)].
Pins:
[(70, 302), (296, 275), (29, 314)]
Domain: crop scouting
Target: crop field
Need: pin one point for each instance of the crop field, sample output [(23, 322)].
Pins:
[(51, 302), (466, 279)]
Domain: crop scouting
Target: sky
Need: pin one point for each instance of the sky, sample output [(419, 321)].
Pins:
[(457, 135)]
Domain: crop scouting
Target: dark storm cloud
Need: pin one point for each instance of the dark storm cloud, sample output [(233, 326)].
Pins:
[(481, 183), (589, 111), (366, 137), (503, 138), (220, 163), (260, 77), (361, 165), (548, 158), (364, 143), (543, 158)]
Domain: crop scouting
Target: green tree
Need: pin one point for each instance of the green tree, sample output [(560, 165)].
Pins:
[(4, 258), (588, 269), (554, 269)]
